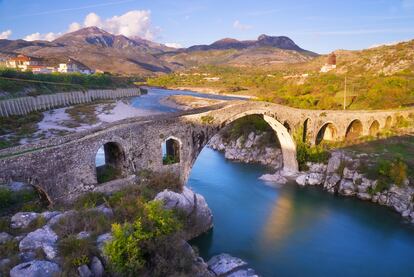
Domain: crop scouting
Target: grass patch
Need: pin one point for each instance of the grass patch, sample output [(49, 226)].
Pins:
[(207, 119), (16, 127)]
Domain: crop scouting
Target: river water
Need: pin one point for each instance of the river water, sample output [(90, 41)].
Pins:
[(294, 231)]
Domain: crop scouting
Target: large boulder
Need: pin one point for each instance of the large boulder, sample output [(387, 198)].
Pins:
[(334, 163), (311, 179), (36, 269), (44, 238), (23, 219), (226, 265), (346, 187), (5, 237), (194, 206), (97, 267), (331, 182), (276, 178), (102, 240)]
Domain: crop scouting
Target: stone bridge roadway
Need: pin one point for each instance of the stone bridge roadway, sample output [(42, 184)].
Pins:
[(65, 167)]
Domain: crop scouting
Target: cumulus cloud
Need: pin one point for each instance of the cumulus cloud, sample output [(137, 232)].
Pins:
[(38, 36), (173, 45), (238, 25), (6, 34), (135, 23)]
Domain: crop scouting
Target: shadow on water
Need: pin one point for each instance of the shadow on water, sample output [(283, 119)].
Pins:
[(294, 231)]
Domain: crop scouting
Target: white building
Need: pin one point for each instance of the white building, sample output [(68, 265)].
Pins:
[(72, 66)]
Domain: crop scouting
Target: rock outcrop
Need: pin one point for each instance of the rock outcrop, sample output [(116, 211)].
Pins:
[(248, 150), (341, 176), (226, 266), (36, 269), (195, 208)]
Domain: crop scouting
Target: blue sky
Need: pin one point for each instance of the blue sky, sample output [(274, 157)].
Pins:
[(319, 25)]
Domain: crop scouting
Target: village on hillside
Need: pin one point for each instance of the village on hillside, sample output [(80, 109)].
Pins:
[(26, 63)]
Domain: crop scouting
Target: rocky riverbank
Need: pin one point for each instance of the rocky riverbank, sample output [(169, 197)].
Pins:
[(31, 243), (341, 176)]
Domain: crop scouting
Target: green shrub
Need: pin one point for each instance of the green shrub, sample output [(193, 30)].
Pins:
[(307, 153), (6, 198), (75, 252), (92, 221), (89, 200), (395, 171), (132, 245)]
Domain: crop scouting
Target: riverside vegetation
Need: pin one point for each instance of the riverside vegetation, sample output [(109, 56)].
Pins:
[(15, 83), (145, 236)]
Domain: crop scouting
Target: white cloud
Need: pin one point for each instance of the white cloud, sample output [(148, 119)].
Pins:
[(74, 27), (387, 44), (238, 25), (173, 45), (38, 36), (6, 34), (131, 24)]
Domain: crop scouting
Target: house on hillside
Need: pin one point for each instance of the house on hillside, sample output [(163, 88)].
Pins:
[(40, 69), (72, 66), (330, 64), (23, 62)]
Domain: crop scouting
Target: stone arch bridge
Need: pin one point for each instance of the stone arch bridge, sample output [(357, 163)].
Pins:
[(64, 167)]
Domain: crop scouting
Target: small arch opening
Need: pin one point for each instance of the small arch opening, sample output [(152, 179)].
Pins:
[(354, 130), (327, 132), (170, 151), (388, 122), (305, 130), (109, 162), (374, 128)]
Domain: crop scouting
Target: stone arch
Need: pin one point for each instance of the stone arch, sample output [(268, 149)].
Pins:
[(306, 126), (287, 144), (112, 163), (388, 122), (171, 150), (374, 128), (328, 132), (354, 130)]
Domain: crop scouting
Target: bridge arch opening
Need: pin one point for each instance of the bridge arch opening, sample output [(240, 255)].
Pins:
[(388, 122), (171, 151), (109, 162), (354, 130), (306, 126), (374, 128), (284, 139), (327, 132)]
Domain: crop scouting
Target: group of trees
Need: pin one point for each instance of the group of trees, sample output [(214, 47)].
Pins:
[(14, 83)]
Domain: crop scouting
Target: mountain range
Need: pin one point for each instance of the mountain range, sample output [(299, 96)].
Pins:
[(101, 50)]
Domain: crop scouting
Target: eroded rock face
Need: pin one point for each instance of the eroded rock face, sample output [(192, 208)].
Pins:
[(226, 265), (276, 178), (311, 179), (36, 269), (23, 219), (44, 238), (248, 150), (194, 206)]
